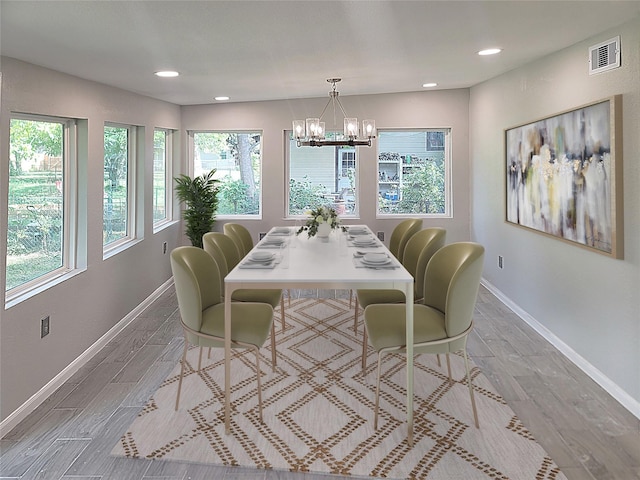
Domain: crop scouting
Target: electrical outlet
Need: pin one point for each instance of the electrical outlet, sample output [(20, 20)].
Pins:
[(500, 261), (381, 236), (164, 248), (262, 235), (44, 326)]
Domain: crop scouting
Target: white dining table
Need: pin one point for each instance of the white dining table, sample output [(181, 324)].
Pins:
[(309, 263)]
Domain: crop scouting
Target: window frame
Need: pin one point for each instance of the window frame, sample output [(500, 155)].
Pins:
[(191, 167), (339, 160), (116, 246), (159, 224), (448, 168), (70, 213)]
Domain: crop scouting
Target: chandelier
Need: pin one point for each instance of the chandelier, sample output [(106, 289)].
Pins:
[(311, 133)]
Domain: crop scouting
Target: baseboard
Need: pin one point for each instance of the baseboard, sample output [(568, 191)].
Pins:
[(45, 392), (626, 400)]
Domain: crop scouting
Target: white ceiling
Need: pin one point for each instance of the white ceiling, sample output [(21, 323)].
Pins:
[(267, 50)]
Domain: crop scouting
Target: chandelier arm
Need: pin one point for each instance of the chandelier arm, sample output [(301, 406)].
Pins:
[(325, 109), (341, 107)]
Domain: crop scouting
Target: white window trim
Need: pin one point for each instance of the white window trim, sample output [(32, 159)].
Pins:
[(191, 169), (288, 135), (448, 180), (163, 223), (68, 268), (130, 238)]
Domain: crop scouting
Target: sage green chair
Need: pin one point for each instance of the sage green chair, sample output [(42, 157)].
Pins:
[(417, 253), (197, 283), (223, 250), (240, 235), (444, 319), (244, 242), (401, 235)]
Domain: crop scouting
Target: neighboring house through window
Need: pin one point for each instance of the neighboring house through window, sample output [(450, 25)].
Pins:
[(414, 172), (321, 176)]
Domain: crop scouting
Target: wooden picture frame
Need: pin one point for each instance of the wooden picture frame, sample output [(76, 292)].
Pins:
[(561, 174)]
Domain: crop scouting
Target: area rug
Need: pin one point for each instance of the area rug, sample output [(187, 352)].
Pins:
[(318, 412)]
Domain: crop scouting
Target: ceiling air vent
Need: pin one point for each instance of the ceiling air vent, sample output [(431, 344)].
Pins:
[(604, 56)]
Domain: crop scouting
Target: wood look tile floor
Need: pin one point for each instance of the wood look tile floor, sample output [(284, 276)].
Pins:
[(586, 432)]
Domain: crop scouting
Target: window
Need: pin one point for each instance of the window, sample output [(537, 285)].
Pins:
[(119, 186), (413, 172), (162, 150), (237, 159), (321, 176), (40, 212)]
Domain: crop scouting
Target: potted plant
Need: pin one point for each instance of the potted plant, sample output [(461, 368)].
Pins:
[(200, 198)]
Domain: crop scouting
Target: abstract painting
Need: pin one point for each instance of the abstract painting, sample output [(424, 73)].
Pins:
[(561, 176)]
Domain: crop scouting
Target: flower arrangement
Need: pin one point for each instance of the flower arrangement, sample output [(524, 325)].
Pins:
[(318, 216)]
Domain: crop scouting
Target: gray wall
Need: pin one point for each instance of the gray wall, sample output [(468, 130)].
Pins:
[(589, 302), (446, 108), (85, 307)]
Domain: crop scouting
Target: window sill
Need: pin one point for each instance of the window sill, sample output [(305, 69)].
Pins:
[(121, 247), (14, 300)]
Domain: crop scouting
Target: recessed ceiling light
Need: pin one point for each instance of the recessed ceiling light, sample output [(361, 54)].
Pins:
[(490, 51), (429, 85), (167, 73), (221, 98)]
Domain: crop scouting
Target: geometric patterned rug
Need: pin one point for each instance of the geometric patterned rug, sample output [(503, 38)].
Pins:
[(318, 411)]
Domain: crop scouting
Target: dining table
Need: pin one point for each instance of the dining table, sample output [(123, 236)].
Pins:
[(349, 258)]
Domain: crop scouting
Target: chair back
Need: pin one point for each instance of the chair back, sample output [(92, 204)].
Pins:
[(211, 247), (451, 283), (401, 235), (227, 246), (417, 253), (240, 235), (197, 282)]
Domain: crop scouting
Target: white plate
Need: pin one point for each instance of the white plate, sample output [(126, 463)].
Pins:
[(358, 231), (272, 241), (364, 241), (281, 230), (376, 264), (375, 258), (261, 256)]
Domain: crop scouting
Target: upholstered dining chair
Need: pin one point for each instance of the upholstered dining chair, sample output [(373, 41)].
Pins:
[(197, 283), (244, 242), (419, 250), (444, 319), (401, 235), (397, 242), (223, 250), (240, 235)]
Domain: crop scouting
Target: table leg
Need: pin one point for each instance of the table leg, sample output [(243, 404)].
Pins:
[(409, 305), (227, 358)]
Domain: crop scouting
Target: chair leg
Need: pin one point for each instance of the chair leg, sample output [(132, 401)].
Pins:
[(438, 359), (289, 297), (364, 349), (273, 346), (355, 316), (473, 400), (184, 359), (259, 382), (200, 359), (375, 415), (282, 310), (350, 297), (449, 368)]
